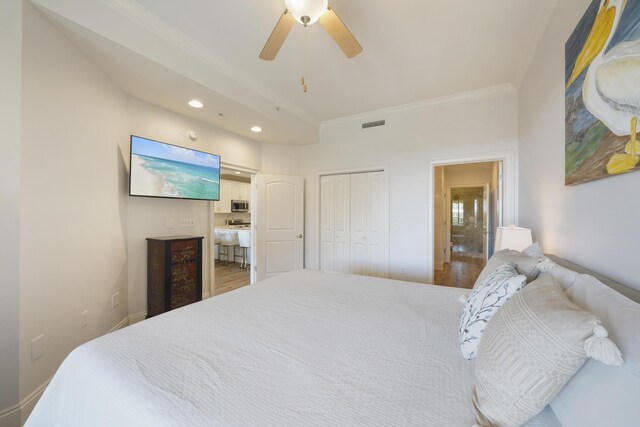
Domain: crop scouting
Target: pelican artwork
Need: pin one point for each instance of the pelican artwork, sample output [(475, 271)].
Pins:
[(610, 87)]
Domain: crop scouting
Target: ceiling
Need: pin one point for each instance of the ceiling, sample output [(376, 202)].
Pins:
[(167, 52)]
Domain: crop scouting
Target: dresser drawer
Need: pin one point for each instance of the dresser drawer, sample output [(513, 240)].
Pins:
[(183, 251)]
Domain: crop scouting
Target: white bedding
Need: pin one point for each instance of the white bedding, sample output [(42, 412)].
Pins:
[(301, 349)]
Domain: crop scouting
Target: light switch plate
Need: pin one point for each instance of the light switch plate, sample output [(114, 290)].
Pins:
[(187, 222), (115, 300)]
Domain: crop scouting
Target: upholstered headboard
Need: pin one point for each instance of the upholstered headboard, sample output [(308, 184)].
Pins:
[(632, 294)]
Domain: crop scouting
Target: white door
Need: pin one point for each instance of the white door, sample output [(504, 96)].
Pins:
[(369, 224), (327, 223), (486, 222), (342, 220), (279, 224), (334, 223)]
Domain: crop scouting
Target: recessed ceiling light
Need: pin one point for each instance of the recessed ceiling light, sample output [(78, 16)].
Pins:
[(195, 103), (237, 172), (256, 129)]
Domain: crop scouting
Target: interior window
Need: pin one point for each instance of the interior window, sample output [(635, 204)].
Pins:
[(457, 214)]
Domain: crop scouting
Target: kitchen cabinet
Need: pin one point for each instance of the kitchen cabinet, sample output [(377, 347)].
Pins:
[(232, 190), (240, 191)]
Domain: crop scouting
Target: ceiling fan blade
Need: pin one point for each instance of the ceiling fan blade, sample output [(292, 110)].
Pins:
[(340, 33), (278, 36)]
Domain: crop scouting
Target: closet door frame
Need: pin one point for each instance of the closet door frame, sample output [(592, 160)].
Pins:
[(385, 170)]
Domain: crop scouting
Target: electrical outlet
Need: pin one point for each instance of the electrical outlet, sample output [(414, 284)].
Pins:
[(115, 300), (37, 348), (84, 318), (187, 222)]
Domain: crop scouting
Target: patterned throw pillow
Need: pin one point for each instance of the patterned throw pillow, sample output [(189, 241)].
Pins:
[(485, 299), (531, 349)]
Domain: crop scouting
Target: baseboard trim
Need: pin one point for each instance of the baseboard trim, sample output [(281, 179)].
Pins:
[(124, 322), (10, 411), (135, 318), (25, 406), (206, 295)]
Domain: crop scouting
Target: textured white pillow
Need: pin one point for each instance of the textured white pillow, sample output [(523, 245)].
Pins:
[(534, 250), (485, 299), (526, 265), (532, 347), (563, 275), (614, 391)]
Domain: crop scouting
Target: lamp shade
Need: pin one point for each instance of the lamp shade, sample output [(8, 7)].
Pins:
[(310, 8), (513, 237)]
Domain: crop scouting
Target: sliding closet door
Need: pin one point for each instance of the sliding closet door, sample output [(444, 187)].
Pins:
[(334, 223), (359, 224), (327, 223), (342, 220), (369, 224)]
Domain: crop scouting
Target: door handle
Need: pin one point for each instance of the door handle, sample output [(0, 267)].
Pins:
[(299, 236)]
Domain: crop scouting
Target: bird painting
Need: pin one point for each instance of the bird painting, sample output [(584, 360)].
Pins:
[(603, 92)]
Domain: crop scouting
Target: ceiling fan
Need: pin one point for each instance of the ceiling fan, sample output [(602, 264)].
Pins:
[(307, 12)]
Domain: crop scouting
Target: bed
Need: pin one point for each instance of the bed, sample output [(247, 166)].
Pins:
[(303, 348)]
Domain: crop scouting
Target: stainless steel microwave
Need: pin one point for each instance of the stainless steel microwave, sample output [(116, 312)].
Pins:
[(239, 206)]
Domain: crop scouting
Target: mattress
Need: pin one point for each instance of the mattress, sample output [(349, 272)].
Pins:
[(303, 348)]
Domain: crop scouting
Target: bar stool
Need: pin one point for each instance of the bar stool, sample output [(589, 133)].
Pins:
[(229, 241), (217, 242), (244, 240)]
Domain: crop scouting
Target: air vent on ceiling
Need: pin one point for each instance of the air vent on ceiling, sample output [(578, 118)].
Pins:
[(374, 124)]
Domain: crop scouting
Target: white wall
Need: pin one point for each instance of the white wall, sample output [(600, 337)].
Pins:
[(593, 224), (10, 121), (149, 217), (478, 123), (73, 254), (280, 159)]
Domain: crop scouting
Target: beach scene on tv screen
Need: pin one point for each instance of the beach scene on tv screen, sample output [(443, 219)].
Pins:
[(163, 170)]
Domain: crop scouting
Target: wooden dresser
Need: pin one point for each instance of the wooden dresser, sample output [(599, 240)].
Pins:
[(174, 272)]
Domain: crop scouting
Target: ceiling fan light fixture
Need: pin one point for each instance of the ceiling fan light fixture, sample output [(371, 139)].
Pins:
[(306, 11)]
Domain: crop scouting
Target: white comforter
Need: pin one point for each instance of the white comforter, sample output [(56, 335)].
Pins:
[(301, 349)]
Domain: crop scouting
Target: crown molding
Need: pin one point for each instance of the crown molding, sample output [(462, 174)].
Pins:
[(462, 97)]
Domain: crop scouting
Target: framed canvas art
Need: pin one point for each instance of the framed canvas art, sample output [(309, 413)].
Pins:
[(602, 92)]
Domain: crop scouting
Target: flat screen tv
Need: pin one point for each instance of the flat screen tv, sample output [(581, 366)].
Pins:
[(165, 170)]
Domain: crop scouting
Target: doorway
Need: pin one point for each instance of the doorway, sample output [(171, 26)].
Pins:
[(232, 232), (468, 207)]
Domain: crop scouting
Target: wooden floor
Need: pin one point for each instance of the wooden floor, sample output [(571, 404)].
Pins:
[(229, 277), (461, 272)]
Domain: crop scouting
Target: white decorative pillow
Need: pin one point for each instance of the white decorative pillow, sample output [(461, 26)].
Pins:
[(533, 250), (485, 299), (533, 346), (564, 276), (526, 265), (615, 390)]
